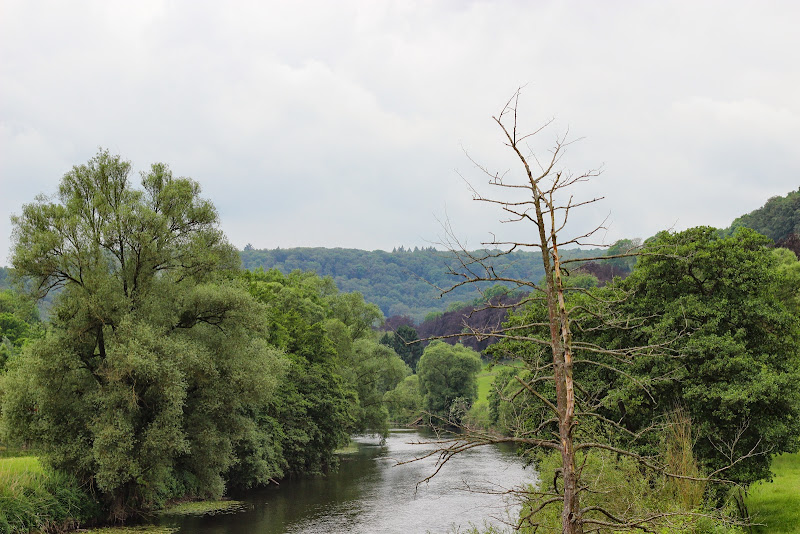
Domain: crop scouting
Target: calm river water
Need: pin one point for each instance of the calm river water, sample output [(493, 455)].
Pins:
[(371, 494)]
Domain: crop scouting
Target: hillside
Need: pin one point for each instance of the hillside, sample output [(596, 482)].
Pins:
[(402, 282), (778, 219)]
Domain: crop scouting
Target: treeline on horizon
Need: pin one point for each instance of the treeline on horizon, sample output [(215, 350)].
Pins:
[(404, 282)]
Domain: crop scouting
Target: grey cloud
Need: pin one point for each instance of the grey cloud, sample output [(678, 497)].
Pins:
[(341, 124)]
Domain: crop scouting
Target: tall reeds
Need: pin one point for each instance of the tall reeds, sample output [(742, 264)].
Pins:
[(680, 460)]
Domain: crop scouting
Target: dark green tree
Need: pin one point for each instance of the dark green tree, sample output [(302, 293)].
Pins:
[(734, 364)]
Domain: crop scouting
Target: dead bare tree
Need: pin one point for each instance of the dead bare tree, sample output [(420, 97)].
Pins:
[(539, 195)]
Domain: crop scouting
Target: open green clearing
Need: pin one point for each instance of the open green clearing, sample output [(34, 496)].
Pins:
[(776, 504), (485, 380)]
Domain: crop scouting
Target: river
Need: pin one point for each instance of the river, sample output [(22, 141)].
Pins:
[(370, 493)]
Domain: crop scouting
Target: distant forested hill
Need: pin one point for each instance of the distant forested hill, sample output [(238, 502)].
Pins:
[(400, 282), (778, 219)]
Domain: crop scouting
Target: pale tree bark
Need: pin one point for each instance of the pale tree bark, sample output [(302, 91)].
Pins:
[(542, 188)]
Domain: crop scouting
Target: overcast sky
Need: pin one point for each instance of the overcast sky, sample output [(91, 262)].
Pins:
[(345, 123)]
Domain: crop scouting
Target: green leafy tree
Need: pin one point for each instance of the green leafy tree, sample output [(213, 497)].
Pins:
[(359, 316), (145, 384), (777, 218), (788, 273), (447, 377), (734, 364), (338, 375), (372, 369), (315, 408)]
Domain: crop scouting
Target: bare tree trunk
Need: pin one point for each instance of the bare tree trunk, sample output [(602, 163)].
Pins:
[(560, 339)]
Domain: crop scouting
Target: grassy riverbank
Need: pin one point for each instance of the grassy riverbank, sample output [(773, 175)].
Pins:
[(776, 504), (35, 498)]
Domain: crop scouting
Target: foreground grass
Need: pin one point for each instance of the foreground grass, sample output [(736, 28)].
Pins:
[(36, 499), (776, 504)]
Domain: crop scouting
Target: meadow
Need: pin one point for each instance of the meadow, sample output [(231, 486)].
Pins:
[(776, 505)]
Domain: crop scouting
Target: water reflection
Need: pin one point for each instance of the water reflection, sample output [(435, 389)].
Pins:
[(371, 494)]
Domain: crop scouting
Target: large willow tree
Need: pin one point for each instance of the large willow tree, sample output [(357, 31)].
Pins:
[(145, 380)]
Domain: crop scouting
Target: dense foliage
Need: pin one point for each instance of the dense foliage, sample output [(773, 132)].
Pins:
[(405, 401), (19, 322), (164, 371), (144, 382), (448, 380), (338, 373), (734, 359), (5, 278), (718, 318), (405, 342)]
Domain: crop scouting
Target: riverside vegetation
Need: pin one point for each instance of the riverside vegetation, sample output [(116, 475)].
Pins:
[(165, 372)]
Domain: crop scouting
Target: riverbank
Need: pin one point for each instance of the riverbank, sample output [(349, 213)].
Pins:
[(369, 493), (36, 499)]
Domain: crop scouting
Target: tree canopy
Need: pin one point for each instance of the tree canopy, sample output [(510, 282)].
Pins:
[(448, 379), (403, 282)]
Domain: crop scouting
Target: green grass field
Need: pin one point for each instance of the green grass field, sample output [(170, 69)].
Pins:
[(776, 504), (485, 379)]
